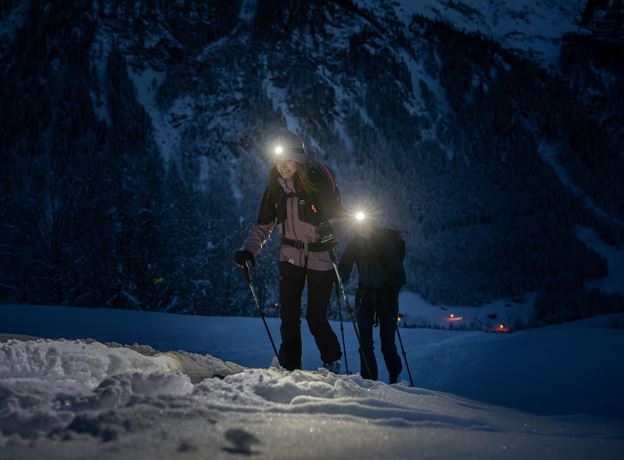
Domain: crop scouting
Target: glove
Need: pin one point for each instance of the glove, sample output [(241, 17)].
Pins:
[(326, 234), (241, 258)]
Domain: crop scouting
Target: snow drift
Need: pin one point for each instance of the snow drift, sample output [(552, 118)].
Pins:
[(77, 398)]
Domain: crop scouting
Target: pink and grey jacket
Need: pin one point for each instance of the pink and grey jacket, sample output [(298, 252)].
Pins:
[(297, 218)]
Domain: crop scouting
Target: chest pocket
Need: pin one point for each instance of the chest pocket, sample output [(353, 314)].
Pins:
[(309, 211)]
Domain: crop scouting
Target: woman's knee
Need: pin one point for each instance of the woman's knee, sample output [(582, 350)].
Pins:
[(316, 322)]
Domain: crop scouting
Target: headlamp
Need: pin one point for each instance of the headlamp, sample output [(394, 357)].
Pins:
[(279, 150), (360, 216)]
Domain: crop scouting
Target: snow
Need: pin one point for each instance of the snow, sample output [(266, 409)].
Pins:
[(614, 281), (14, 20), (415, 104), (278, 97), (247, 11), (534, 27), (77, 399), (418, 312), (165, 123), (548, 152), (542, 371), (99, 55)]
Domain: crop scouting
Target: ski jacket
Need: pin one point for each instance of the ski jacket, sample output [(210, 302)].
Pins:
[(378, 261), (297, 217)]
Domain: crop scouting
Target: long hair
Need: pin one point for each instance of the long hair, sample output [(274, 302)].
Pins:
[(301, 180)]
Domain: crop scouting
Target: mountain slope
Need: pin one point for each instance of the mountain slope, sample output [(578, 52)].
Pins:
[(533, 27), (172, 107)]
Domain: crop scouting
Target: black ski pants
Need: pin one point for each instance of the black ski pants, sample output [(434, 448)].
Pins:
[(384, 301), (320, 283)]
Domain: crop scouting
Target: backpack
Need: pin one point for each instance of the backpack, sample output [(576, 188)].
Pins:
[(328, 195), (395, 237), (323, 178), (323, 205)]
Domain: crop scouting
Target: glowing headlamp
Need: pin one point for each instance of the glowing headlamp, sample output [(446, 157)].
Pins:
[(360, 216), (279, 150)]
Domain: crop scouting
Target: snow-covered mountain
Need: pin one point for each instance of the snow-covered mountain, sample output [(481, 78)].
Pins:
[(533, 27), (78, 398), (134, 141)]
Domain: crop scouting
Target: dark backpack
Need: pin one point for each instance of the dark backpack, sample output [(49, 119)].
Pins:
[(328, 195), (395, 237), (323, 205), (323, 178)]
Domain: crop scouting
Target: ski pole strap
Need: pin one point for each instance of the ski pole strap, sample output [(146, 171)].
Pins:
[(306, 247)]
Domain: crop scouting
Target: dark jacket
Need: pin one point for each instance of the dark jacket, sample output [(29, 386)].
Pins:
[(297, 217), (378, 261), (319, 207)]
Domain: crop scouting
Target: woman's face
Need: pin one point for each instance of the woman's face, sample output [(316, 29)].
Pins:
[(286, 168)]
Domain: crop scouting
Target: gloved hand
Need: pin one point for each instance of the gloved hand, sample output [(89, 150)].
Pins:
[(241, 258), (326, 234)]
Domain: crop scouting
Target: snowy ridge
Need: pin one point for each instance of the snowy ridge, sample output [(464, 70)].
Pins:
[(99, 55), (166, 135), (612, 283), (142, 406), (534, 27), (549, 153), (413, 118)]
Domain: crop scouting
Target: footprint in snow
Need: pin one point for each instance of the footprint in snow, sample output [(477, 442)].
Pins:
[(242, 441)]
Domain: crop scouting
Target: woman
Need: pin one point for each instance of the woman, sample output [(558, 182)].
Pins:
[(300, 198)]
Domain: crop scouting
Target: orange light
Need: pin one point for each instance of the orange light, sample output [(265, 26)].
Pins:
[(453, 317), (502, 328)]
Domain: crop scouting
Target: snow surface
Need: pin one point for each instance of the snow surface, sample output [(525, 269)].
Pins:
[(74, 399), (538, 370), (418, 312)]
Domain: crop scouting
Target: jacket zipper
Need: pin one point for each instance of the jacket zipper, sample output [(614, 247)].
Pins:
[(292, 201), (292, 216)]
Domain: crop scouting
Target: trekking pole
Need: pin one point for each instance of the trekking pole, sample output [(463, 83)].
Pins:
[(344, 348), (332, 254), (247, 275), (404, 355)]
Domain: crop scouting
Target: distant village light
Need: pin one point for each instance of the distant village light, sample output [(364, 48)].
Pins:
[(454, 317)]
